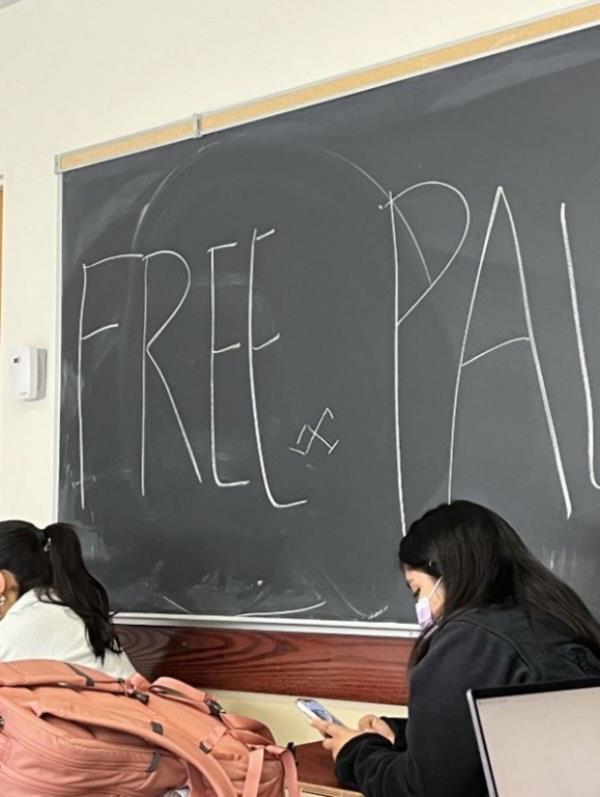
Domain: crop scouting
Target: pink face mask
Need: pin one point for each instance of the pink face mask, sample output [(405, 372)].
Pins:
[(423, 608)]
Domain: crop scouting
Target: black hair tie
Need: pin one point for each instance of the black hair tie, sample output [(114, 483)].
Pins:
[(44, 539), (433, 568)]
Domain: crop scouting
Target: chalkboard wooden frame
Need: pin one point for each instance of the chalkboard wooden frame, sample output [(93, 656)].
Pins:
[(428, 61)]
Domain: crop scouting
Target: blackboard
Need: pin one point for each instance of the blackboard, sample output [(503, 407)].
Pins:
[(284, 341)]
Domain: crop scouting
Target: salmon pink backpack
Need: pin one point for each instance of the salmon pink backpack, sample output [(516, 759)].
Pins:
[(69, 731)]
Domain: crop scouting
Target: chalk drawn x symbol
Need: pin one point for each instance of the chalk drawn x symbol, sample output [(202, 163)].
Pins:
[(314, 434)]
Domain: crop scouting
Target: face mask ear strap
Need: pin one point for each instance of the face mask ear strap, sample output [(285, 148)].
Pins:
[(435, 586)]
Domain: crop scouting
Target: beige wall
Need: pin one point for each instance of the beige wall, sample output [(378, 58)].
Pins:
[(287, 723), (74, 72)]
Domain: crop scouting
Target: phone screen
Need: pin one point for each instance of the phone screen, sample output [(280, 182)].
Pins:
[(317, 710)]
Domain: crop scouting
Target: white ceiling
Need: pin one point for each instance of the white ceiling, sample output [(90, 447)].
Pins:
[(7, 2)]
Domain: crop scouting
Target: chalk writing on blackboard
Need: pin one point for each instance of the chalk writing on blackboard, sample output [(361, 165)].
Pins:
[(81, 338), (500, 196), (213, 353), (251, 349), (311, 433), (148, 340), (401, 316), (147, 353), (314, 433), (583, 366)]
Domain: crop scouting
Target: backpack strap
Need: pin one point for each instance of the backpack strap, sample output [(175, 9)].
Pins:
[(208, 767), (42, 672), (197, 784), (244, 730), (255, 767), (138, 682), (290, 770), (199, 762), (247, 731), (175, 688)]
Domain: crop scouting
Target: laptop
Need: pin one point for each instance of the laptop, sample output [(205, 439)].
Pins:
[(539, 740)]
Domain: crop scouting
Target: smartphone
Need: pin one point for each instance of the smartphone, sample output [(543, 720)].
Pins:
[(315, 710)]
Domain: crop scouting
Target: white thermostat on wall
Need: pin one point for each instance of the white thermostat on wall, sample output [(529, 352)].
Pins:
[(27, 373)]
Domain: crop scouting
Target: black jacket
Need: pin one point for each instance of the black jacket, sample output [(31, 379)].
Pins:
[(436, 754)]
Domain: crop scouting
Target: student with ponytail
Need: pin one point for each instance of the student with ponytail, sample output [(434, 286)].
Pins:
[(51, 607), (491, 614)]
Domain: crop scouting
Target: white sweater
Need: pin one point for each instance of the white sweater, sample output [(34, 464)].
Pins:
[(34, 629)]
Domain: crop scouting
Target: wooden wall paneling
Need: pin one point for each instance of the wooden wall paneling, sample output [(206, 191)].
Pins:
[(365, 668)]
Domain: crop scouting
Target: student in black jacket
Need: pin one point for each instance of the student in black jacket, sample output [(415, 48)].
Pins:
[(491, 614)]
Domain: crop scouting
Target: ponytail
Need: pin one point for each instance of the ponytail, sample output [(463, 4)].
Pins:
[(76, 587), (51, 561)]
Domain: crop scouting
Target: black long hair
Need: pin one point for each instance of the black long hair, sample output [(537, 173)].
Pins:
[(484, 562), (50, 560)]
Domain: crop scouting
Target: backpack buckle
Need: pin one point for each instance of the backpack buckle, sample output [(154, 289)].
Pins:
[(135, 694), (216, 709)]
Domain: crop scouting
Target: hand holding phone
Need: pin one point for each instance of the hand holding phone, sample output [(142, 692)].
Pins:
[(315, 710)]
